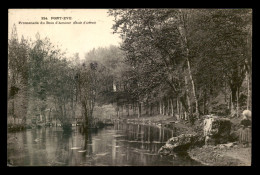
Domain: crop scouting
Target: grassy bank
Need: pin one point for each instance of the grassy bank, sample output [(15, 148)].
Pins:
[(222, 156)]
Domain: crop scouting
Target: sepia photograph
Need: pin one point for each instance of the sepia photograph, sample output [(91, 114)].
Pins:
[(129, 87)]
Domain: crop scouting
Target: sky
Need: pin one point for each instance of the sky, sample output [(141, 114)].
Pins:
[(72, 38)]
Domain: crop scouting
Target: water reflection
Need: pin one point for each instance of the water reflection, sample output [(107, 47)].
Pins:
[(119, 145)]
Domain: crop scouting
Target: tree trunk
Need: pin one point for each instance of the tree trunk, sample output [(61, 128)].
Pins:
[(232, 101), (189, 108), (84, 114), (147, 108), (249, 65), (172, 107), (127, 109), (178, 108), (92, 108), (225, 91), (13, 109), (237, 102), (204, 103), (168, 107), (45, 117), (134, 109), (163, 105), (184, 20), (156, 108), (65, 112), (160, 106), (193, 89), (139, 109), (181, 117), (187, 95), (50, 115), (248, 91), (151, 109), (122, 110)]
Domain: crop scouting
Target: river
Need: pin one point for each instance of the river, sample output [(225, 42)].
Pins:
[(119, 145)]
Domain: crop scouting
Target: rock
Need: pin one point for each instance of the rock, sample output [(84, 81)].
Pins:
[(209, 141), (234, 143), (234, 135), (229, 145), (216, 130), (219, 155), (179, 144), (221, 146)]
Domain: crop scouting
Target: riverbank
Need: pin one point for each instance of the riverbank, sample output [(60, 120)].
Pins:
[(179, 126), (15, 127), (218, 155)]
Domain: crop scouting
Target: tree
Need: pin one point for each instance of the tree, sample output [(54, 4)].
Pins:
[(208, 46), (152, 45), (226, 47), (17, 76)]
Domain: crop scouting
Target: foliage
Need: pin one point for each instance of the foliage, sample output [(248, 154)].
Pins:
[(197, 59), (209, 46)]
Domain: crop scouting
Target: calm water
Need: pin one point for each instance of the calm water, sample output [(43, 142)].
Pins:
[(118, 145)]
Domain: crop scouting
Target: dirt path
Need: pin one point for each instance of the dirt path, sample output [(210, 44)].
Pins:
[(242, 154), (216, 156)]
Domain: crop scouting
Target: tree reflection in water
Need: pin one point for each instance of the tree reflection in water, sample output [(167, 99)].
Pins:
[(119, 145)]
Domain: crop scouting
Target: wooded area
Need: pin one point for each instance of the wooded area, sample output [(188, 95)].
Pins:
[(180, 62)]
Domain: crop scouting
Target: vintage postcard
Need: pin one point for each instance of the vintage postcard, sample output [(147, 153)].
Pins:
[(129, 87)]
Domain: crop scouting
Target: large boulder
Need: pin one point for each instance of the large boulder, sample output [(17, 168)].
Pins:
[(216, 130), (179, 144)]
